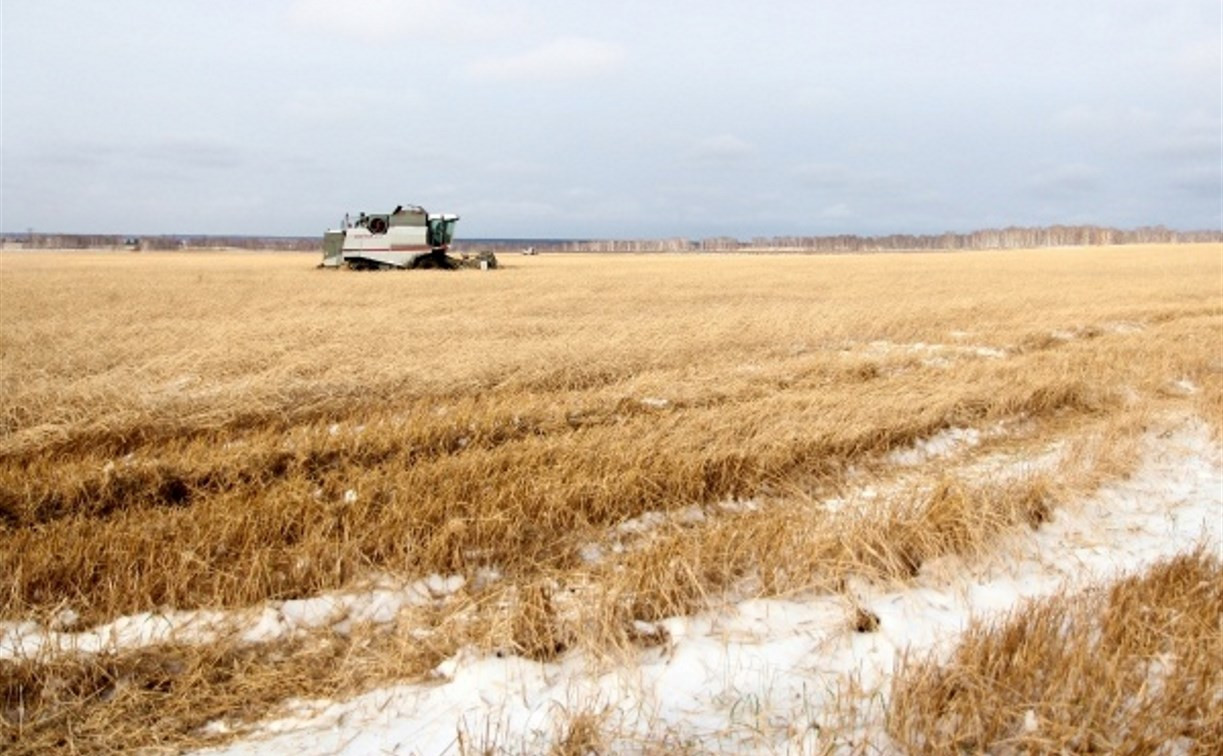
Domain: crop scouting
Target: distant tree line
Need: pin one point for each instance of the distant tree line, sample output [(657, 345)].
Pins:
[(35, 240), (1013, 237)]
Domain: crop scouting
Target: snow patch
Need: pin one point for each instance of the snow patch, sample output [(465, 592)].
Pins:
[(648, 522), (991, 352), (642, 523), (273, 621), (1181, 387), (591, 553), (769, 674), (1031, 724), (935, 354), (941, 444), (736, 506)]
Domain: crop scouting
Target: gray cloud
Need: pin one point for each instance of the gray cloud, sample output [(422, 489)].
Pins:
[(1191, 148), (1204, 182), (837, 211), (847, 179), (562, 59), (722, 148), (1068, 179), (827, 176), (388, 21), (190, 153), (550, 118), (168, 156)]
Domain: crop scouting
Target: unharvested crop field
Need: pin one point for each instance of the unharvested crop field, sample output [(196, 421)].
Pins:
[(231, 483)]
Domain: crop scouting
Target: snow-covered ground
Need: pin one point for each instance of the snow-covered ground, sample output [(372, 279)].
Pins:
[(380, 599), (774, 675), (381, 603)]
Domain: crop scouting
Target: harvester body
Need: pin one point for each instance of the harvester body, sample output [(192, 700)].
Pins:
[(407, 237)]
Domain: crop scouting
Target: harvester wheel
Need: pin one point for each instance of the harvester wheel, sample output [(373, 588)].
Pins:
[(434, 260)]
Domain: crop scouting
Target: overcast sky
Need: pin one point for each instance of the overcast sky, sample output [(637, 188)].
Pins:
[(611, 119)]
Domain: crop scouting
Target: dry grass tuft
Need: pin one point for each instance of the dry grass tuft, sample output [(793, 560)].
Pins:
[(582, 734), (154, 696), (1131, 669), (537, 632), (864, 620)]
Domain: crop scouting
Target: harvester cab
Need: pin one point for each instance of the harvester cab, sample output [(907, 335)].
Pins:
[(406, 237)]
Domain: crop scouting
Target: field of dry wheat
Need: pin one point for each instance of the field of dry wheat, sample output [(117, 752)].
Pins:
[(548, 459)]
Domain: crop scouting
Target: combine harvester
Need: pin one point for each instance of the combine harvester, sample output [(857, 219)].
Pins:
[(406, 238)]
